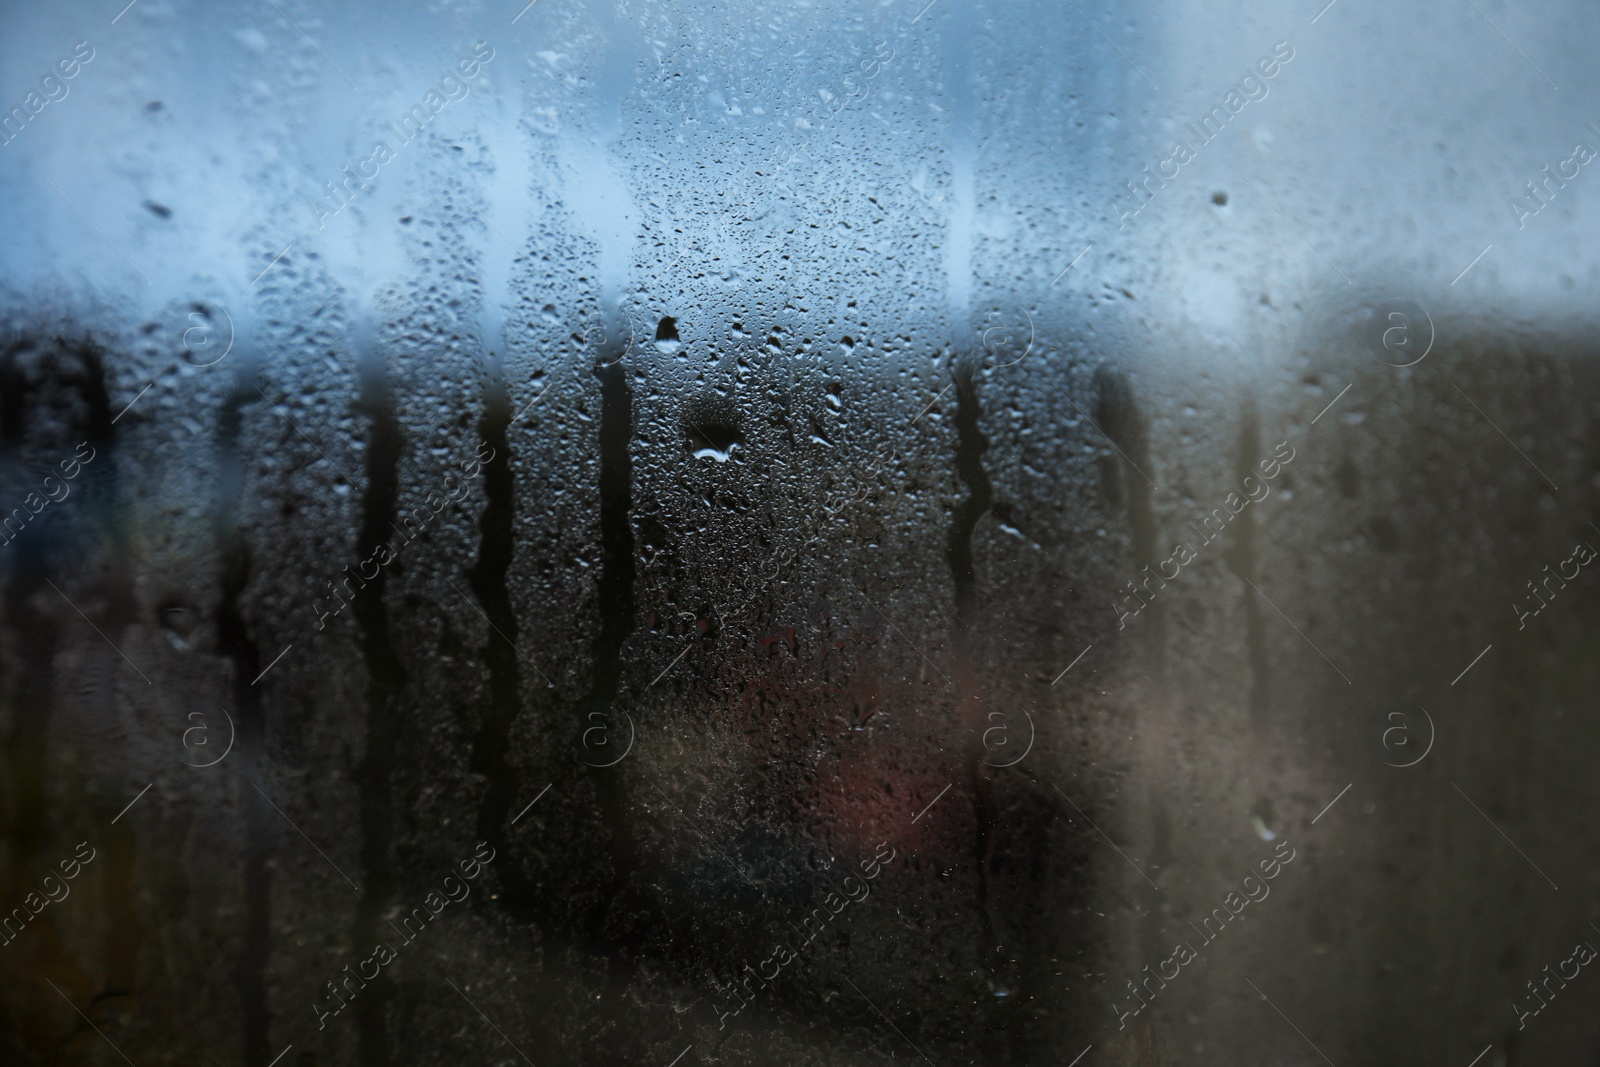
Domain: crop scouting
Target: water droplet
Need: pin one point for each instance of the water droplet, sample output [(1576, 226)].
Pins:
[(667, 335)]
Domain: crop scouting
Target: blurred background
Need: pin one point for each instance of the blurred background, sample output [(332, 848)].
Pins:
[(957, 532)]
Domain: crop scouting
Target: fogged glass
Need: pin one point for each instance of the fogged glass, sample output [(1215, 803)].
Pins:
[(683, 533)]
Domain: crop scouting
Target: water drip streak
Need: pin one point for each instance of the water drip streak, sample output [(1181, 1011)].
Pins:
[(616, 593), (125, 932), (234, 642), (970, 447), (89, 541), (33, 635), (1119, 417), (487, 580), (1241, 561), (385, 681), (34, 639), (625, 915)]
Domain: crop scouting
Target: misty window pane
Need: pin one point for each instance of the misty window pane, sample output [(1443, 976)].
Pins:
[(611, 531)]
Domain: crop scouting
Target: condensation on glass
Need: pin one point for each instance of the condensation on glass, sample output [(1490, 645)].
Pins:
[(824, 533)]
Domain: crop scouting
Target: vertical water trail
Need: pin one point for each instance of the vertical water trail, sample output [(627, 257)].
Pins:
[(618, 575), (386, 680), (487, 580), (597, 194), (40, 555), (971, 445), (108, 538), (235, 643), (616, 585), (1241, 559), (30, 631), (1119, 416)]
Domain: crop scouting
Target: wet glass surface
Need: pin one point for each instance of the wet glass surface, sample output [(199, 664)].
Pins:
[(956, 532)]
